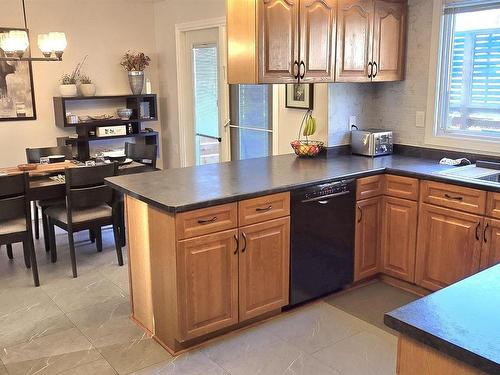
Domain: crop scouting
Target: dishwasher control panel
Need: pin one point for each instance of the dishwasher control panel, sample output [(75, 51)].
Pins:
[(326, 190)]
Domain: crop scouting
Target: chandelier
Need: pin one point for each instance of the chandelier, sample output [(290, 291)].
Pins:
[(15, 43)]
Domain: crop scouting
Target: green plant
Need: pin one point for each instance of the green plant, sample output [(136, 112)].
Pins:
[(85, 79), (68, 79), (135, 61)]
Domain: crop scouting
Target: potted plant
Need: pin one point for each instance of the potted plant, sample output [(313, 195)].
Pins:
[(134, 64), (68, 85), (307, 147), (87, 87), (68, 81)]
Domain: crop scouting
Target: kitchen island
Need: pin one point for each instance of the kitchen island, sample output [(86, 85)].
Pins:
[(209, 246), (453, 331)]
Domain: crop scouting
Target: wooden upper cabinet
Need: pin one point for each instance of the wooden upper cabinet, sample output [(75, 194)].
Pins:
[(264, 265), (354, 40), (389, 39), (399, 238), (448, 246), (207, 277), (317, 40), (278, 35), (367, 240), (490, 254)]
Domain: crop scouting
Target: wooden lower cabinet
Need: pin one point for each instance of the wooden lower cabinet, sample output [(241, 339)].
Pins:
[(490, 254), (207, 277), (367, 241), (264, 265), (448, 246), (399, 238)]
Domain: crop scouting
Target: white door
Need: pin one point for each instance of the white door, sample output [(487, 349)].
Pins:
[(205, 132)]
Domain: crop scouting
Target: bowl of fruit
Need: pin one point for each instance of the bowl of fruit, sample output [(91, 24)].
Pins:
[(307, 147)]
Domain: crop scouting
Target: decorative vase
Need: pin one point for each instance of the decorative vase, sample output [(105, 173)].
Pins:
[(136, 81), (87, 89), (68, 90)]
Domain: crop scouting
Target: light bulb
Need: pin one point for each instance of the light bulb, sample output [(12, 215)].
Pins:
[(45, 45), (58, 42)]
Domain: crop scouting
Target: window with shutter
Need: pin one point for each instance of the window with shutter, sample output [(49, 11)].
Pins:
[(469, 97)]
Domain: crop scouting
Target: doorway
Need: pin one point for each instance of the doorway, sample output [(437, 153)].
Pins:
[(203, 93)]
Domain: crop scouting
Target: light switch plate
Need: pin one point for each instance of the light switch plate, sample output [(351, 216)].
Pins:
[(420, 119)]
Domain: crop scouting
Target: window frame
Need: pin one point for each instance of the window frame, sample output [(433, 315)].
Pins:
[(437, 98)]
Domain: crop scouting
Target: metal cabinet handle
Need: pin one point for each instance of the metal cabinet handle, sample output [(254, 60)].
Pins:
[(360, 214), (370, 69), (477, 231), (245, 243), (455, 198), (302, 75), (268, 208), (237, 244), (376, 69), (296, 68), (207, 221), (484, 233)]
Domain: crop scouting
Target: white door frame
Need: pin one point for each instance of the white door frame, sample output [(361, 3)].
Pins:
[(183, 92)]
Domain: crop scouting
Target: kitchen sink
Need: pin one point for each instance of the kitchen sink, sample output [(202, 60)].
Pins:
[(484, 171)]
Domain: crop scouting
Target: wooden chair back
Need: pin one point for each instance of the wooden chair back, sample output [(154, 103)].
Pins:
[(13, 201), (33, 155), (85, 186), (142, 153)]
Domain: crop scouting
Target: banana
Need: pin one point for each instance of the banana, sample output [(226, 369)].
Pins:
[(310, 127)]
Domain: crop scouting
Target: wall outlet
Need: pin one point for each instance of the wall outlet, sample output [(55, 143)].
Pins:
[(352, 122), (420, 119)]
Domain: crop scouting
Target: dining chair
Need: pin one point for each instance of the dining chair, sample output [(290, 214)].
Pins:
[(142, 153), (15, 219), (90, 205), (33, 155)]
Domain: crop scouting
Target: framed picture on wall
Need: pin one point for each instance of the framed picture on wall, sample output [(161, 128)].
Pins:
[(299, 96), (17, 96)]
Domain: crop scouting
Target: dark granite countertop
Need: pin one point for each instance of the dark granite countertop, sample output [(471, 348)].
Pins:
[(184, 189), (462, 320)]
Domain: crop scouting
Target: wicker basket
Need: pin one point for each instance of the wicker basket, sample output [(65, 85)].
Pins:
[(307, 148)]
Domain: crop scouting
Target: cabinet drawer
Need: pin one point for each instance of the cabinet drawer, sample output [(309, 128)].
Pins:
[(368, 187), (452, 196), (206, 220), (264, 208), (493, 205), (401, 187)]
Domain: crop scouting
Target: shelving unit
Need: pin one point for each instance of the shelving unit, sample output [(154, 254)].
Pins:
[(87, 130)]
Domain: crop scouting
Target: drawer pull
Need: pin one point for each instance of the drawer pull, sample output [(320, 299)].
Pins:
[(477, 231), (245, 243), (455, 198), (360, 214), (268, 208), (237, 244), (207, 221)]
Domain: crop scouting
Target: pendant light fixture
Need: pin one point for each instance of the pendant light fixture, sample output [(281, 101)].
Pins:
[(15, 43)]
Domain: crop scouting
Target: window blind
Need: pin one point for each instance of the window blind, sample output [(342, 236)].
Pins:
[(463, 6)]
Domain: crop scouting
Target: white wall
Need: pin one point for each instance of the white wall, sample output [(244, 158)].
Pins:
[(101, 29)]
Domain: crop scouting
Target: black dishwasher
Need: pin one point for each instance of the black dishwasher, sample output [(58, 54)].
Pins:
[(322, 239)]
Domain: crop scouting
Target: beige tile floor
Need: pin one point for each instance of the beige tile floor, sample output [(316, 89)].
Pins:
[(81, 326)]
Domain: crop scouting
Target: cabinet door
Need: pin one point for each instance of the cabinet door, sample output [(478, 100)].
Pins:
[(354, 40), (317, 40), (207, 277), (278, 36), (264, 265), (367, 242), (448, 246), (389, 39), (399, 238), (491, 244)]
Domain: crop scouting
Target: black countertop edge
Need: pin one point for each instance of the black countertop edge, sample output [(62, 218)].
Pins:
[(238, 197), (442, 346)]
